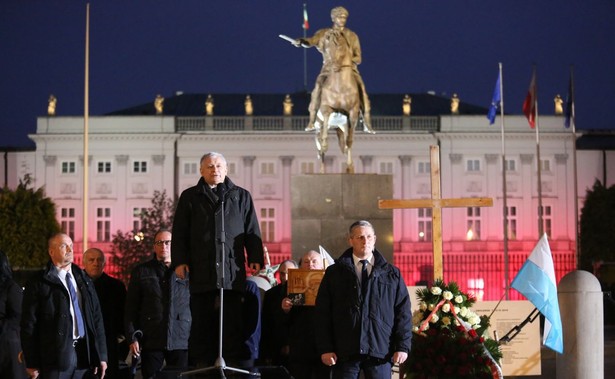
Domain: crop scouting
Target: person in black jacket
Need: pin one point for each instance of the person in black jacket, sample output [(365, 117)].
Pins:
[(157, 314), (112, 296), (274, 342), (304, 359), (62, 335), (203, 245), (10, 312), (363, 311)]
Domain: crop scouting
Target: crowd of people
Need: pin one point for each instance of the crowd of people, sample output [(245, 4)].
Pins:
[(71, 322)]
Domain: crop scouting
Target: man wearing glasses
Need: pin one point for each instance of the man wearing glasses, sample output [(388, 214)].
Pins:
[(158, 312)]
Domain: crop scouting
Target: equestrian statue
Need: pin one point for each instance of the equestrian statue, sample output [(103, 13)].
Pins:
[(339, 99)]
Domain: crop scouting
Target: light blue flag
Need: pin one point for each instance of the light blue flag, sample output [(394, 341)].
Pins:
[(495, 101), (536, 281)]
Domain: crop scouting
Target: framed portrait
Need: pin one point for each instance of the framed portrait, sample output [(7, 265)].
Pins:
[(303, 286)]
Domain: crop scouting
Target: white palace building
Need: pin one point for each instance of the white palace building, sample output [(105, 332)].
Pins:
[(137, 151)]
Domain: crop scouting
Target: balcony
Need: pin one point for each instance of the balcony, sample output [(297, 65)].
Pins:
[(382, 124)]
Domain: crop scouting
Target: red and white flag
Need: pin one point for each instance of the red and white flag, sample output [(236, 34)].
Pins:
[(529, 105), (306, 24)]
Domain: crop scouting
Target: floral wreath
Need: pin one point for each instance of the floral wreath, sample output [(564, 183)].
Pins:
[(449, 339)]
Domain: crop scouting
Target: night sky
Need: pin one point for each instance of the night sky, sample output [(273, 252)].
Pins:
[(141, 48)]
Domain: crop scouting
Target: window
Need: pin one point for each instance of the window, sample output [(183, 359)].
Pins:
[(307, 167), (103, 224), (547, 219), (473, 165), (231, 168), (191, 168), (104, 167), (545, 165), (511, 217), (136, 218), (385, 168), (67, 221), (473, 223), (511, 165), (267, 222), (68, 167), (423, 167), (424, 219), (139, 167), (267, 168)]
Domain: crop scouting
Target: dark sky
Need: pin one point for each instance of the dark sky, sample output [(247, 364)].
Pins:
[(140, 48)]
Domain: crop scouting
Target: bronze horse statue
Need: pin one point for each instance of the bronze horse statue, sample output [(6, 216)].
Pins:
[(340, 96)]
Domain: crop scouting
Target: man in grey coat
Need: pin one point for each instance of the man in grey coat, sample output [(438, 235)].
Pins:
[(157, 314)]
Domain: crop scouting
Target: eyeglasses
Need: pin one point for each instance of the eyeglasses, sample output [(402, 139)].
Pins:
[(163, 242)]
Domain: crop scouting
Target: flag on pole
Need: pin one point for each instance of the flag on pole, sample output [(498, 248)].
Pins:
[(529, 105), (306, 24), (495, 100), (536, 281), (569, 102)]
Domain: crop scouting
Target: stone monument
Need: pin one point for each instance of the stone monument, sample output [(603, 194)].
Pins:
[(325, 205)]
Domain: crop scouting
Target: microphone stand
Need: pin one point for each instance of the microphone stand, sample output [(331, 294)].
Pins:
[(517, 328), (220, 364)]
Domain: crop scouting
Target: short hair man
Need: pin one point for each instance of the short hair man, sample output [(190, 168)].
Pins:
[(112, 296), (363, 311), (70, 339), (206, 240), (157, 312)]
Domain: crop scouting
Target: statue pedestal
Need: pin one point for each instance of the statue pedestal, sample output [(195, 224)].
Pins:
[(325, 205)]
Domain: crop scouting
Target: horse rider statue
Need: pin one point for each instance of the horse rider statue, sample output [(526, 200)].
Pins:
[(339, 15)]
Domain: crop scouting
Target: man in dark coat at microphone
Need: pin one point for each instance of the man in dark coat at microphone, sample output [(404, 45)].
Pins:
[(205, 240)]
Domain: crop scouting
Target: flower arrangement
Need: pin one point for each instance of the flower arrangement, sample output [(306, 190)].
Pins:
[(449, 340)]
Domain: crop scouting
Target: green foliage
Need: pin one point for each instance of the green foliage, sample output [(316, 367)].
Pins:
[(27, 220), (136, 246), (598, 226)]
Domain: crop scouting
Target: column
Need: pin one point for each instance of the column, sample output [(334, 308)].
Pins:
[(248, 164), (366, 162), (408, 230), (527, 223), (285, 212)]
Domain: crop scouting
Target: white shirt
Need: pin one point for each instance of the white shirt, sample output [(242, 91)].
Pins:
[(358, 266), (62, 275)]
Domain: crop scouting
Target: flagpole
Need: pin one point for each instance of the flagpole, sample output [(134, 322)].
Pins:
[(538, 161), (574, 163), (504, 192), (86, 112), (305, 87)]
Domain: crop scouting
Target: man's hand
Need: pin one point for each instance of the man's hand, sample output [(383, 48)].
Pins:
[(328, 359), (399, 357), (255, 267), (135, 349), (103, 369), (181, 271), (32, 372), (287, 305)]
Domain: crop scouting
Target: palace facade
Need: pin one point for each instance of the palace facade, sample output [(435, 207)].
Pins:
[(134, 152)]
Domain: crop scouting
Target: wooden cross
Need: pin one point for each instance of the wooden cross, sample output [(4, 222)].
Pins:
[(436, 203)]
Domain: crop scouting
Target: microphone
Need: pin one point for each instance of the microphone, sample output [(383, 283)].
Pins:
[(220, 191)]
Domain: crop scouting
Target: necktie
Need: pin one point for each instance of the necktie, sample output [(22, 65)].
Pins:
[(364, 277), (76, 308)]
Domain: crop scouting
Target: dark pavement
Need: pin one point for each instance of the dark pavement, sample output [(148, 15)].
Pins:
[(549, 365)]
